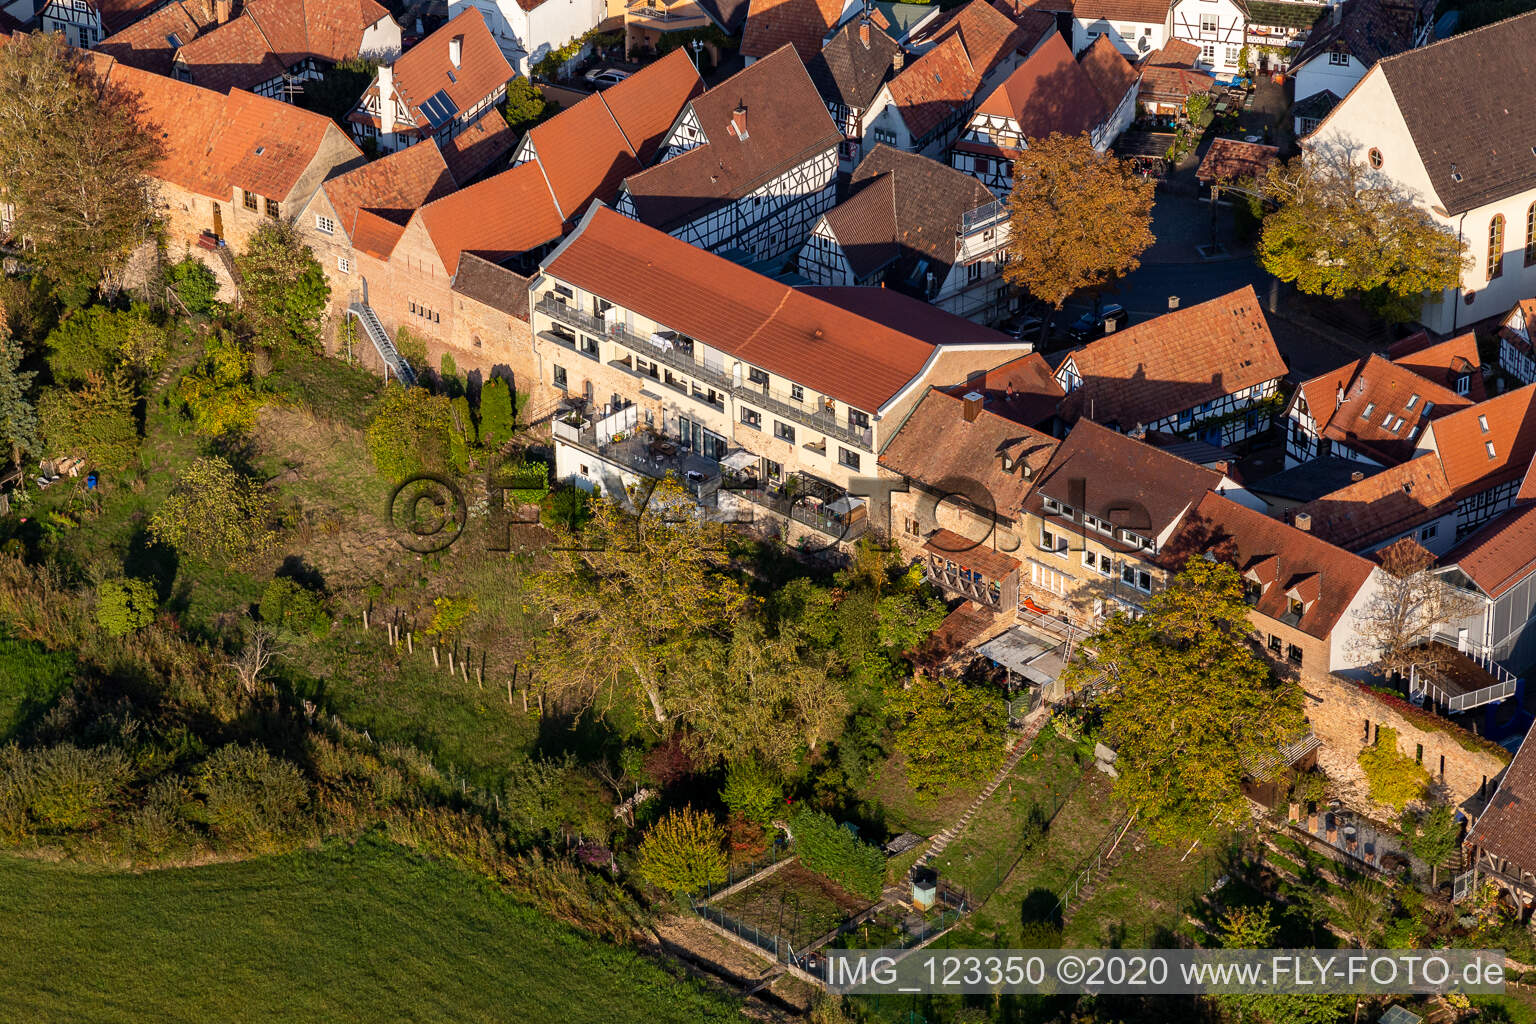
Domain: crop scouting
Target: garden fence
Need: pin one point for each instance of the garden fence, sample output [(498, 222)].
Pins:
[(777, 852)]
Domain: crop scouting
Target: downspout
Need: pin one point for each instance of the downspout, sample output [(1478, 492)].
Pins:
[(1456, 307)]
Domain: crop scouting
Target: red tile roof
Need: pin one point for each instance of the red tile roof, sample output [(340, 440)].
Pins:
[(505, 215), (117, 15), (1049, 92), (800, 23), (478, 145), (147, 44), (374, 234), (1146, 12), (1504, 828), (271, 36), (970, 43), (938, 447), (1445, 362), (1174, 85), (1462, 442), (1111, 73), (908, 315), (426, 69), (976, 555), (217, 143), (1175, 53), (1390, 392), (1290, 561), (1023, 390), (1500, 554), (745, 315), (393, 186), (587, 149), (1176, 361), (1382, 505), (787, 124), (1232, 160), (1123, 480), (646, 104)]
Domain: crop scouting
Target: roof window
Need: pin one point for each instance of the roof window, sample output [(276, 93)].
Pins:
[(1413, 400), (1489, 446), (1370, 407), (1455, 174), (1482, 422)]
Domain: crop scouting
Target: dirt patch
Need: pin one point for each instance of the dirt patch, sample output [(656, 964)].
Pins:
[(793, 903)]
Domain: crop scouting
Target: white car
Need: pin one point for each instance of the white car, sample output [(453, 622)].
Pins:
[(604, 77)]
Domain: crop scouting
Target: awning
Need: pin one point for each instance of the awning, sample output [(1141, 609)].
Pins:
[(662, 339), (843, 506), (740, 461)]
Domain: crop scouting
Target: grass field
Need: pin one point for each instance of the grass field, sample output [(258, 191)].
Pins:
[(30, 679), (349, 934)]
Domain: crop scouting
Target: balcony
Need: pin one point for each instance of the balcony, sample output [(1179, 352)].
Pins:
[(810, 502), (643, 454), (682, 360)]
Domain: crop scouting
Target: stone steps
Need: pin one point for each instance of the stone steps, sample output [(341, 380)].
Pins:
[(942, 839)]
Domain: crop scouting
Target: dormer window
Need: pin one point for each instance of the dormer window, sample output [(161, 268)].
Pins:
[(1295, 607), (1464, 385), (1252, 591), (1428, 408)]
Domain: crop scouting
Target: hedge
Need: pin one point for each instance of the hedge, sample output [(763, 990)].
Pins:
[(828, 849)]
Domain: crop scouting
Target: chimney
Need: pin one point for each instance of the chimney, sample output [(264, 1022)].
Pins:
[(1173, 303), (456, 51), (864, 31), (739, 121), (1304, 522), (1109, 327), (1356, 477), (223, 10), (898, 59), (1338, 12), (386, 99), (972, 405)]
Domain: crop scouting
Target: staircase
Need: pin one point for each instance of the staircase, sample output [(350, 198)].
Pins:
[(1098, 866), (393, 360), (1035, 721), (228, 259)]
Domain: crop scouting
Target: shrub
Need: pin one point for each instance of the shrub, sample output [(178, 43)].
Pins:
[(215, 513), (1395, 779), (752, 791), (829, 849), (683, 852), (410, 433), (288, 605), (96, 421), (125, 606), (97, 340), (252, 800), (220, 391), (195, 285), (72, 788), (461, 433), (496, 416)]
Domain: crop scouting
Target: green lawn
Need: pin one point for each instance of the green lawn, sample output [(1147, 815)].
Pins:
[(347, 934), (30, 679)]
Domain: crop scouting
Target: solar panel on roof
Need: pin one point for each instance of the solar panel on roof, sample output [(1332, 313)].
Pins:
[(439, 108)]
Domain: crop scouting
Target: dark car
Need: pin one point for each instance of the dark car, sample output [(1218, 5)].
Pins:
[(1095, 325)]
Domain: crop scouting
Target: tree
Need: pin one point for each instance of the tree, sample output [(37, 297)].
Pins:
[(125, 606), (285, 604), (97, 421), (220, 390), (1343, 228), (752, 791), (1252, 928), (1433, 835), (1395, 779), (18, 416), (1077, 219), (950, 733), (75, 157), (496, 414), (524, 106), (1362, 909), (216, 513), (683, 852), (284, 288), (194, 284), (1394, 628), (410, 433), (1189, 702), (631, 608), (100, 339)]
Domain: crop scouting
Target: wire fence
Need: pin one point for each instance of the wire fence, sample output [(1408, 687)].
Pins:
[(780, 850)]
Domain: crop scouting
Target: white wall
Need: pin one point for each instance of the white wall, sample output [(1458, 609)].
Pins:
[(381, 40), (1133, 39), (1319, 75), (1343, 653), (526, 36)]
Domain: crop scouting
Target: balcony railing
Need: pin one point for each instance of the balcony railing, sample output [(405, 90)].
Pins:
[(817, 519), (970, 585), (820, 420)]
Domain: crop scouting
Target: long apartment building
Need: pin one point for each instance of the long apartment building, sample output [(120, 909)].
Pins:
[(684, 362)]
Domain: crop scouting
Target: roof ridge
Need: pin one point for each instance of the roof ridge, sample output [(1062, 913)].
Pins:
[(1458, 36), (250, 12)]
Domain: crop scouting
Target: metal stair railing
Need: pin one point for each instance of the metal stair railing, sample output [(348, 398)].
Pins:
[(393, 360)]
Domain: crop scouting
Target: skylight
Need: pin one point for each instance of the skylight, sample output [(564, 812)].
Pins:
[(1413, 400), (1370, 407), (1489, 446), (1482, 421)]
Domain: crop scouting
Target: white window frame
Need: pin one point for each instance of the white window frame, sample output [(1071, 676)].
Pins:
[(344, 264), (324, 224)]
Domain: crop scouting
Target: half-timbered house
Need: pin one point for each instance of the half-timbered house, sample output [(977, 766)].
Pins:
[(803, 24), (1050, 92), (1217, 27), (1517, 357), (1377, 509), (1486, 449), (748, 165), (1352, 37), (848, 73), (1372, 411), (1501, 844), (84, 23), (915, 225), (924, 107), (1137, 28), (446, 88), (1209, 372)]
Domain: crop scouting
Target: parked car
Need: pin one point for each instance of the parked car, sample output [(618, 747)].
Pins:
[(602, 78), (1095, 325)]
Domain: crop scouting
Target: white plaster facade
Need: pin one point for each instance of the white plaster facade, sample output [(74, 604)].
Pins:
[(1216, 26), (524, 36)]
